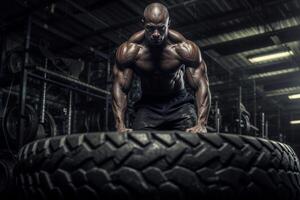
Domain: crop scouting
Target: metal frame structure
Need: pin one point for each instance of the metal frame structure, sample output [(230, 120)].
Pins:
[(76, 85), (23, 85)]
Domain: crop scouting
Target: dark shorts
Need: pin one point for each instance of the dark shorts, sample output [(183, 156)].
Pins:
[(176, 112)]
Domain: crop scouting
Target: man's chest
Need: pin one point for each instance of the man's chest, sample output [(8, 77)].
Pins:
[(165, 60)]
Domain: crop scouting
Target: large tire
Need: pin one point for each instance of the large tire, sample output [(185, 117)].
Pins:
[(7, 184), (158, 165), (6, 175)]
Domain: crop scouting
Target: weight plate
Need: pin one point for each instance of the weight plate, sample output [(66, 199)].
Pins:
[(11, 121)]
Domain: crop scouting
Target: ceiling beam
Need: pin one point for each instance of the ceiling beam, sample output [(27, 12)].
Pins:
[(280, 81), (10, 21), (95, 6), (223, 17), (234, 14), (67, 37), (255, 42), (82, 24), (230, 15), (195, 34), (294, 108), (194, 25), (137, 19)]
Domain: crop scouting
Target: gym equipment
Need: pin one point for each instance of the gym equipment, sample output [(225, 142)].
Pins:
[(15, 61), (97, 77), (93, 121), (48, 128), (218, 120), (235, 122), (10, 124), (69, 66), (12, 66), (244, 124), (215, 120), (157, 165), (6, 175)]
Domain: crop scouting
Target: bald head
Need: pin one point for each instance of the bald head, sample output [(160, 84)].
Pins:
[(156, 13), (156, 23)]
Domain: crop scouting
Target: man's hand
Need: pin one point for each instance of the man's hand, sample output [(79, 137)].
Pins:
[(124, 130), (197, 129)]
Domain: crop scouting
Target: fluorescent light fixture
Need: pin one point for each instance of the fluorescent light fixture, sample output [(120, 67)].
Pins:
[(295, 122), (283, 91), (294, 96), (274, 73), (216, 83), (272, 56)]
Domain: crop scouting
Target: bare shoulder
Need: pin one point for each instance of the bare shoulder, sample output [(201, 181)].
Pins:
[(137, 37), (188, 51), (176, 37), (126, 53)]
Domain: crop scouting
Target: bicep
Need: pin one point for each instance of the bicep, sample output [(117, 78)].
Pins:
[(123, 77), (197, 76), (195, 66)]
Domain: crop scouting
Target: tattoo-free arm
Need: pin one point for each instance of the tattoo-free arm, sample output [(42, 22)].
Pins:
[(196, 74), (123, 73), (198, 80), (121, 86)]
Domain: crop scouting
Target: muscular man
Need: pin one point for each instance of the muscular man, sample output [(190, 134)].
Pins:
[(161, 57)]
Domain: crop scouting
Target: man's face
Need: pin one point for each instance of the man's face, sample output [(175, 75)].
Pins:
[(156, 33)]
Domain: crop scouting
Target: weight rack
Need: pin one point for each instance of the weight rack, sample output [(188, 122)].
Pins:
[(57, 79)]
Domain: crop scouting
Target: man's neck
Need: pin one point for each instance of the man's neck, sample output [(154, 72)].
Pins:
[(157, 48)]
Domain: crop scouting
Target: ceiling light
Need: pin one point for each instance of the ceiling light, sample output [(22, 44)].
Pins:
[(274, 73), (294, 96), (295, 122), (283, 91), (272, 56)]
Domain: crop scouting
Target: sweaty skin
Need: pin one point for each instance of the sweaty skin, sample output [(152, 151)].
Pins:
[(157, 55)]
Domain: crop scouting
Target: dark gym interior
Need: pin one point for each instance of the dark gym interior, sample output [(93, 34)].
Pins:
[(57, 58)]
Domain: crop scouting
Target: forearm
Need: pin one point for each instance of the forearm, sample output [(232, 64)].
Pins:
[(119, 105), (203, 99)]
